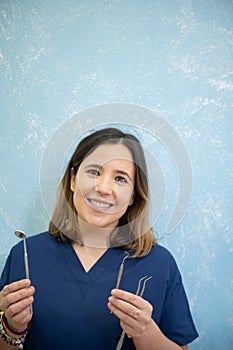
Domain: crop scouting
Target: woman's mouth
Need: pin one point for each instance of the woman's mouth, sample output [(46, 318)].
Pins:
[(99, 204)]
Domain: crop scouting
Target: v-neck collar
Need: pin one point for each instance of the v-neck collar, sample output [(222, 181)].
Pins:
[(79, 254), (98, 261), (75, 271)]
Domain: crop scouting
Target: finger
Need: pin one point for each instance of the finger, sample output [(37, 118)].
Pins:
[(127, 319), (22, 318), (13, 287), (130, 326), (4, 290), (127, 297), (18, 307), (135, 300), (125, 307), (129, 331), (7, 289), (16, 296)]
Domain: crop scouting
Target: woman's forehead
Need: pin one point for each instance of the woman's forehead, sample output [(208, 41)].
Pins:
[(109, 152)]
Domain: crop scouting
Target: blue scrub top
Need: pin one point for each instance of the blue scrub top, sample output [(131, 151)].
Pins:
[(70, 307)]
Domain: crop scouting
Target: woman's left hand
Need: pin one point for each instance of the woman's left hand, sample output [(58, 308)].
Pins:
[(133, 311)]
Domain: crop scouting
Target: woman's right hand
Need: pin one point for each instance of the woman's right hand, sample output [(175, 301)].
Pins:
[(15, 300)]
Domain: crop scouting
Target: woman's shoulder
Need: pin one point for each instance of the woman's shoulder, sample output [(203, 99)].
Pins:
[(40, 237), (161, 251), (36, 241), (161, 257)]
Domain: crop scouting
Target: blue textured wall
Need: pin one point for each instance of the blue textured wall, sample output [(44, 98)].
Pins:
[(174, 57)]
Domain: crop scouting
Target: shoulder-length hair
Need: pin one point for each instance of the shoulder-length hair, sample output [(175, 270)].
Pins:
[(134, 231)]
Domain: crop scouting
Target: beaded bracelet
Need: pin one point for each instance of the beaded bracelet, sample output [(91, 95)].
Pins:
[(7, 338), (12, 330)]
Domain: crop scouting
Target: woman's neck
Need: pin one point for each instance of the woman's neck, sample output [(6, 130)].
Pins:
[(93, 236)]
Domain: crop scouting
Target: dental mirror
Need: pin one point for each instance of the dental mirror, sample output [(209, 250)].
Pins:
[(22, 235)]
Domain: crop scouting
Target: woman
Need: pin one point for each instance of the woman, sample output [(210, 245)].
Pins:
[(100, 281)]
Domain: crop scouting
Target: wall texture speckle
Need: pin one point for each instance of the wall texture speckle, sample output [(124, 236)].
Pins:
[(61, 57)]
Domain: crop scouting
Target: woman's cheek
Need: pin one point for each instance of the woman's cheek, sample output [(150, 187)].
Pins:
[(125, 197)]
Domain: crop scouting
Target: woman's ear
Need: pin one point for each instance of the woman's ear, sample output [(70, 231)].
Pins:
[(72, 179)]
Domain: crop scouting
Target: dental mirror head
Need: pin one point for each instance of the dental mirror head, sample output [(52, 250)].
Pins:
[(20, 234)]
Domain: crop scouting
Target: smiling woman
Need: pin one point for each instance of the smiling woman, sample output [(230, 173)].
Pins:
[(102, 264), (103, 192)]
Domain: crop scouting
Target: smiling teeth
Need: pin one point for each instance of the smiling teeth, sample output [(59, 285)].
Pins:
[(100, 204)]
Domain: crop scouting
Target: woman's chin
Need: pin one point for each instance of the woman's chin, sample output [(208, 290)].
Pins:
[(99, 224)]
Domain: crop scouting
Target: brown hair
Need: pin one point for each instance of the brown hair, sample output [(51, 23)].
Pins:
[(134, 224)]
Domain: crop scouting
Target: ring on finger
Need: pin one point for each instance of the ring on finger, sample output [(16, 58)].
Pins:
[(136, 313)]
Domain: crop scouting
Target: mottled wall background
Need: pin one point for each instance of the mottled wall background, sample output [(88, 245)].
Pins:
[(174, 57)]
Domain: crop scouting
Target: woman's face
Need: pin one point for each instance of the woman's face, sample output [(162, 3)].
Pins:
[(103, 187)]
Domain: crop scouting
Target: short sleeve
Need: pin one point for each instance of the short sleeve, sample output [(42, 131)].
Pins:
[(176, 321)]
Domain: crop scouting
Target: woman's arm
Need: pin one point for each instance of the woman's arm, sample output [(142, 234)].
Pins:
[(154, 339), (135, 318), (5, 346)]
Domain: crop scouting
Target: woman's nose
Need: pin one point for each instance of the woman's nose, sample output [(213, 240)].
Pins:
[(104, 186)]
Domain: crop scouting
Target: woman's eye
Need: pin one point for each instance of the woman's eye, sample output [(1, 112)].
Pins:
[(93, 172), (121, 179)]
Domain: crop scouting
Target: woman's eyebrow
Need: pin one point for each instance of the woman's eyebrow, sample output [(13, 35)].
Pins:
[(96, 166)]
